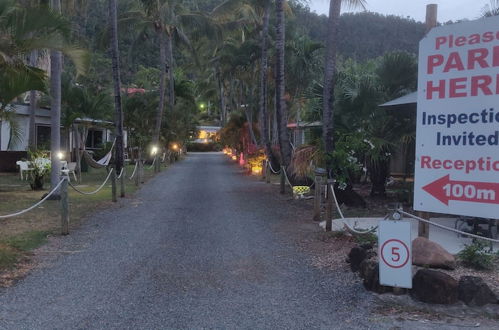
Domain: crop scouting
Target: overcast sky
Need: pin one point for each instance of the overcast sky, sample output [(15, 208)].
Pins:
[(447, 9)]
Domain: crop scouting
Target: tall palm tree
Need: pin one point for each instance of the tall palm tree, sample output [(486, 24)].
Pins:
[(263, 86), (492, 9), (113, 22), (281, 108), (329, 72), (55, 107)]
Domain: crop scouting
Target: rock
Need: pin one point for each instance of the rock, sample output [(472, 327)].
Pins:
[(473, 291), (367, 246), (426, 253), (369, 272), (355, 257), (431, 286)]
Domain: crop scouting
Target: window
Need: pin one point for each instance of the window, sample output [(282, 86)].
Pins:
[(95, 139), (43, 134)]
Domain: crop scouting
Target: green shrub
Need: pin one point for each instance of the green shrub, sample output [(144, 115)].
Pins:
[(370, 238), (475, 256)]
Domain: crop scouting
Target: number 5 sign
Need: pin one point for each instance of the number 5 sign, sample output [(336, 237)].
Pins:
[(395, 258)]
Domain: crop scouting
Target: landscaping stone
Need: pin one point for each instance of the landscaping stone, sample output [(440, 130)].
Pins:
[(369, 272), (473, 291), (434, 287), (426, 253), (355, 257)]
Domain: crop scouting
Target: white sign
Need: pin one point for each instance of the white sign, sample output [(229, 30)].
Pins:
[(457, 143), (395, 257)]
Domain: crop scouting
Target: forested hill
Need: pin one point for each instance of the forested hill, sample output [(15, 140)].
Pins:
[(365, 35)]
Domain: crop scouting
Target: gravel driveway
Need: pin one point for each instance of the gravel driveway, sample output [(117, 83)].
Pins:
[(196, 248)]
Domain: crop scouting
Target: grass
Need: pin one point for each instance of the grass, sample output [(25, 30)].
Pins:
[(23, 233)]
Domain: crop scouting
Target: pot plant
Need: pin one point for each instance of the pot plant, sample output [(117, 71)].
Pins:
[(41, 168)]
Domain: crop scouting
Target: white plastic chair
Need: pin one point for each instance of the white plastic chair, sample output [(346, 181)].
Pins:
[(24, 167), (71, 167)]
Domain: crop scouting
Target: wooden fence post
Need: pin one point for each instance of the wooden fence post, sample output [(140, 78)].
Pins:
[(64, 206), (283, 179), (122, 182), (320, 179), (329, 205), (113, 184)]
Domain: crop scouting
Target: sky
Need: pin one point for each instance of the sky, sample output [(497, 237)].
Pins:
[(447, 9)]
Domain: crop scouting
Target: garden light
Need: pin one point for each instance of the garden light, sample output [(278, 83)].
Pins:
[(234, 157), (60, 155), (175, 146), (154, 150), (256, 170)]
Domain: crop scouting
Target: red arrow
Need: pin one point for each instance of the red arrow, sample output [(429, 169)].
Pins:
[(444, 189)]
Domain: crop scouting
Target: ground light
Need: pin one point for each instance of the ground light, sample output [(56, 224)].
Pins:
[(234, 157), (154, 150), (175, 146), (60, 155), (256, 170)]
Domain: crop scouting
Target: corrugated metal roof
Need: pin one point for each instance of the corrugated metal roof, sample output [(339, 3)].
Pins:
[(409, 99)]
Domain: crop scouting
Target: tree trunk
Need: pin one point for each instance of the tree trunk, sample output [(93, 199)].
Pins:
[(264, 123), (119, 152), (55, 110), (162, 83), (329, 78), (171, 76), (33, 60), (281, 111), (222, 96), (77, 135)]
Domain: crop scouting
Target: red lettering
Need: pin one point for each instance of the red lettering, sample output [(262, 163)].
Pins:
[(437, 164), (460, 41), (488, 37), (477, 56), (454, 62), (496, 166), (495, 58), (481, 83), (455, 85), (470, 165), (433, 61), (425, 162), (440, 41), (458, 164), (447, 164), (440, 88)]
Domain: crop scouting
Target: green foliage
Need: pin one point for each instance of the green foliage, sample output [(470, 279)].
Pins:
[(476, 256), (28, 241), (147, 78), (369, 238), (39, 161), (8, 257)]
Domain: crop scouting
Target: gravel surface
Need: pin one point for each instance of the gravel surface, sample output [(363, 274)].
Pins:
[(197, 247)]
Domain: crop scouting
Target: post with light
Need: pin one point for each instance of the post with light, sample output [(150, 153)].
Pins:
[(64, 203), (157, 165), (283, 179), (329, 204)]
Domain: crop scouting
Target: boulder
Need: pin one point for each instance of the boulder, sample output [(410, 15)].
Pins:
[(355, 257), (426, 253), (434, 287), (369, 272), (473, 291)]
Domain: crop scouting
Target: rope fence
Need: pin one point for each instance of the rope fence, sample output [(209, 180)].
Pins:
[(134, 170), (153, 162), (272, 169), (400, 211), (95, 191), (35, 205)]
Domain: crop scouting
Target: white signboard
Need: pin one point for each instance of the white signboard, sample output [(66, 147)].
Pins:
[(395, 257), (457, 143)]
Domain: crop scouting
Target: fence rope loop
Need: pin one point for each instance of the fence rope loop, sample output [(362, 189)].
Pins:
[(37, 204), (447, 228), (272, 169), (95, 191), (345, 224), (134, 170)]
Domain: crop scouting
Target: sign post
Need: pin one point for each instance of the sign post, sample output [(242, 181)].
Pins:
[(457, 143), (395, 257)]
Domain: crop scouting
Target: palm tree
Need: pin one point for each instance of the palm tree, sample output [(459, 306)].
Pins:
[(329, 72), (492, 9), (164, 18), (281, 109), (55, 107), (119, 155)]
